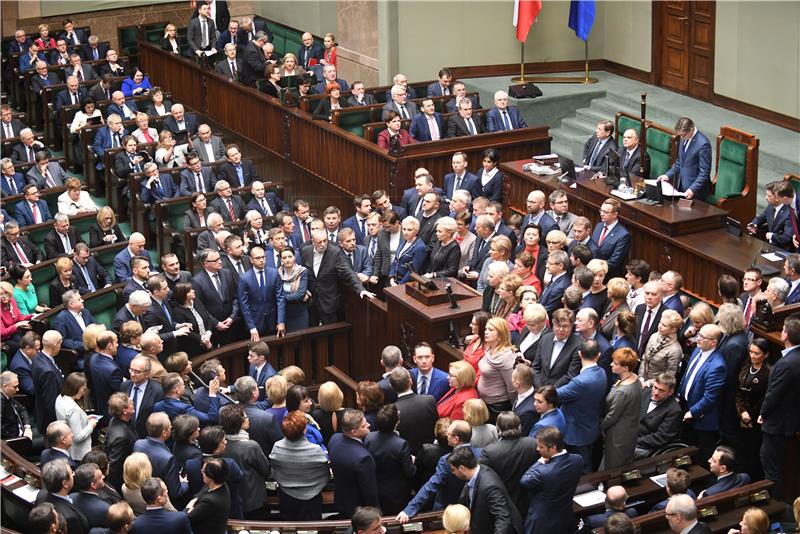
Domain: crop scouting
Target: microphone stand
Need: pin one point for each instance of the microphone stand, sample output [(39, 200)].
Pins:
[(200, 381)]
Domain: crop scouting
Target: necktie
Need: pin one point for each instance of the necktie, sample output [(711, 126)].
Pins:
[(602, 235), (266, 209), (49, 179), (115, 140), (12, 185), (37, 218), (88, 278), (645, 330), (233, 68), (204, 30), (363, 231), (625, 159), (45, 80), (434, 128), (403, 112), (594, 154), (18, 419), (218, 285), (79, 73), (135, 401), (423, 385), (9, 130), (350, 259), (470, 126), (690, 374), (372, 246), (200, 185), (458, 183), (239, 266), (67, 245), (135, 166), (304, 230), (507, 121), (147, 136), (159, 189), (166, 312), (230, 210), (95, 55), (446, 91), (31, 155), (261, 280), (558, 219), (748, 311), (74, 98), (332, 237), (23, 258)]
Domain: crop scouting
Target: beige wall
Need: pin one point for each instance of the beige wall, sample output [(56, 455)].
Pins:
[(628, 33), (757, 56)]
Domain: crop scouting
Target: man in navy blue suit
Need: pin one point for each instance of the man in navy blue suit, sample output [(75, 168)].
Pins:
[(29, 346), (309, 50), (612, 238), (599, 145), (329, 76), (32, 210), (775, 222), (791, 272), (12, 181), (701, 390), (442, 86), (20, 44), (427, 125), (461, 178), (109, 136), (105, 373), (68, 321), (155, 186), (260, 369), (125, 108), (237, 171), (267, 204), (559, 281), (552, 481), (358, 222), (155, 518), (58, 480), (427, 379), (88, 481), (692, 169), (122, 261), (522, 380), (88, 272), (159, 431), (586, 324), (582, 401), (261, 298), (58, 438), (48, 381), (356, 255), (182, 125), (671, 284), (73, 95), (721, 466), (352, 465), (537, 214), (502, 116)]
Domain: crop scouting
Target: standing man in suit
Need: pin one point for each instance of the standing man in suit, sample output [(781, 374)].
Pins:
[(559, 211), (427, 379), (484, 493), (671, 284), (355, 254), (586, 324), (72, 321), (464, 123), (661, 415), (263, 428), (692, 169), (89, 481), (582, 402), (358, 222), (327, 267), (159, 313), (552, 481), (352, 465), (359, 97), (535, 204), (522, 380), (154, 446), (612, 238), (681, 515), (29, 346), (428, 125), (503, 117), (779, 418), (775, 222), (630, 157), (441, 87), (417, 412), (105, 373), (460, 178), (648, 314), (156, 518), (88, 271), (599, 145), (230, 66), (400, 104), (202, 33), (701, 391), (216, 289), (58, 480), (143, 392), (559, 281), (120, 436), (254, 63), (48, 380), (230, 36), (261, 298), (310, 52), (260, 369)]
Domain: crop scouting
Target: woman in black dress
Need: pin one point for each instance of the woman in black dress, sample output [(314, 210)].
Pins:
[(105, 231), (295, 283), (271, 86), (753, 380), (444, 253), (64, 281), (189, 310), (209, 510)]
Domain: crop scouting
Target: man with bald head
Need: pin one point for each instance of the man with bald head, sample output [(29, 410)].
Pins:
[(152, 345), (537, 214), (159, 430), (124, 107), (142, 391), (701, 391), (630, 156), (209, 147), (182, 125), (122, 261), (48, 380), (309, 51), (73, 95)]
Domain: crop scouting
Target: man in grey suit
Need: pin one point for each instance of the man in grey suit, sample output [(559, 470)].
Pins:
[(231, 65), (359, 97), (45, 174), (661, 417), (209, 147), (400, 104), (559, 211), (202, 32)]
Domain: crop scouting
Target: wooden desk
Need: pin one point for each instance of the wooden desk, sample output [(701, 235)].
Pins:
[(691, 241)]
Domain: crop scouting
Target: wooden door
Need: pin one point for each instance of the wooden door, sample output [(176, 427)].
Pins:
[(686, 31)]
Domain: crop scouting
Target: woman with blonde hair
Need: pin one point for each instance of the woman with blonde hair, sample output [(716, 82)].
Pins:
[(168, 152), (535, 324), (494, 384), (701, 315), (170, 41), (64, 281), (461, 378), (663, 353), (499, 250), (620, 425), (754, 521), (456, 519), (290, 66), (330, 411), (555, 240), (276, 387), (90, 336), (144, 133), (68, 410), (599, 291), (136, 470), (477, 415), (105, 231)]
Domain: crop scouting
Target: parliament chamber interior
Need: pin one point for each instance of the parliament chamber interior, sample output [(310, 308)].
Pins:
[(273, 266)]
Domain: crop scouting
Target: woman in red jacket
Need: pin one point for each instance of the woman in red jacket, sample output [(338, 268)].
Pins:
[(462, 388), (394, 129), (12, 322)]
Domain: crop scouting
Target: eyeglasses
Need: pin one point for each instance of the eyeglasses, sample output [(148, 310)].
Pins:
[(752, 279)]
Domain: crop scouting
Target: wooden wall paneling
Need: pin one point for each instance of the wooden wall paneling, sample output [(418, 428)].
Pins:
[(674, 45), (701, 52)]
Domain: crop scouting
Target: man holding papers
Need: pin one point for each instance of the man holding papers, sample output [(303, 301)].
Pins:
[(692, 169)]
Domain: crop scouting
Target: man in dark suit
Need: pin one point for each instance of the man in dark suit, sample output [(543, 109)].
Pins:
[(42, 79), (155, 518), (260, 369), (484, 493), (557, 267), (25, 151), (234, 259), (164, 466), (79, 70), (12, 182), (630, 157), (88, 271), (29, 345), (612, 238), (721, 466), (58, 439), (358, 222), (661, 416), (182, 125), (359, 97), (58, 480), (231, 36), (465, 123), (502, 116), (428, 125), (615, 504), (441, 87), (216, 289), (557, 360), (599, 145), (681, 513), (20, 43), (329, 76), (93, 50), (460, 93), (308, 51), (537, 214), (780, 418), (72, 35), (582, 402), (73, 95), (775, 221), (522, 380), (102, 90), (512, 455), (105, 373), (160, 313), (68, 321), (124, 107), (692, 168), (417, 412), (237, 171), (263, 429), (248, 28), (14, 418), (352, 465), (143, 392), (201, 33), (88, 481), (485, 231), (460, 178), (109, 136), (18, 248), (156, 186), (229, 205), (47, 379), (648, 314), (400, 104), (355, 254), (140, 271), (261, 299), (120, 436), (195, 178), (113, 66), (327, 266), (701, 391), (230, 66), (587, 322), (9, 126), (427, 379), (432, 211), (254, 62), (551, 482), (268, 204)]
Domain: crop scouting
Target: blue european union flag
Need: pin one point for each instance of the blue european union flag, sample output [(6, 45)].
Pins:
[(581, 17)]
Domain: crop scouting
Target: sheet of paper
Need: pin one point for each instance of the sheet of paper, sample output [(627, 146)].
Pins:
[(668, 190), (589, 499), (771, 256), (661, 480), (27, 492)]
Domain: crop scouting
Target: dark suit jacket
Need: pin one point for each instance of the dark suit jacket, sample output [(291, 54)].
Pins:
[(190, 123), (120, 437), (324, 286), (582, 405), (394, 469), (731, 481), (263, 429), (526, 413), (640, 314), (189, 184), (152, 394), (87, 54), (212, 509), (633, 164), (417, 419), (354, 470), (564, 368), (382, 258), (469, 182), (65, 323), (160, 520), (38, 83), (552, 486), (443, 261), (92, 507), (305, 54), (122, 316), (427, 227), (87, 71), (64, 98), (49, 455), (167, 189), (551, 296), (415, 255), (390, 105), (780, 226), (661, 426), (437, 386), (19, 183), (76, 521), (97, 273), (164, 467), (31, 252), (221, 207), (451, 106), (124, 166), (228, 173), (24, 215), (13, 415), (509, 459), (779, 409), (223, 66), (495, 123), (323, 109), (106, 380), (491, 507), (420, 130), (588, 149), (614, 248), (693, 166), (457, 126), (704, 400), (16, 128), (194, 35), (218, 308), (262, 309), (253, 64), (368, 100)]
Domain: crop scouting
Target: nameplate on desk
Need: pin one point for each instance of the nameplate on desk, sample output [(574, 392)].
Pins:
[(685, 203), (682, 461), (708, 511), (630, 476)]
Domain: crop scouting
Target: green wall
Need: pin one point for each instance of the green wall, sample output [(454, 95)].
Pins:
[(52, 8)]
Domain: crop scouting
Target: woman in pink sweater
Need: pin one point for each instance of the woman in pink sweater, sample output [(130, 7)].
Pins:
[(494, 384)]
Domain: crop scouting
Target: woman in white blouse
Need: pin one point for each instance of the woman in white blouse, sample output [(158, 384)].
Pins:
[(68, 410), (491, 179), (75, 201), (144, 133), (88, 110), (167, 153)]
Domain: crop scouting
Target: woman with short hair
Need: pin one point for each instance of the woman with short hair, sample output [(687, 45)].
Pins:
[(477, 415), (64, 281), (663, 353), (617, 290), (461, 377), (620, 425), (333, 92), (330, 411), (136, 470), (75, 201), (444, 254), (394, 467), (369, 399)]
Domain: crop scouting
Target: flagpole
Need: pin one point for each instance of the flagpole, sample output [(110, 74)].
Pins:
[(521, 78), (586, 60)]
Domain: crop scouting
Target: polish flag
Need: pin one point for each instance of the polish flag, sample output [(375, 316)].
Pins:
[(525, 12)]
